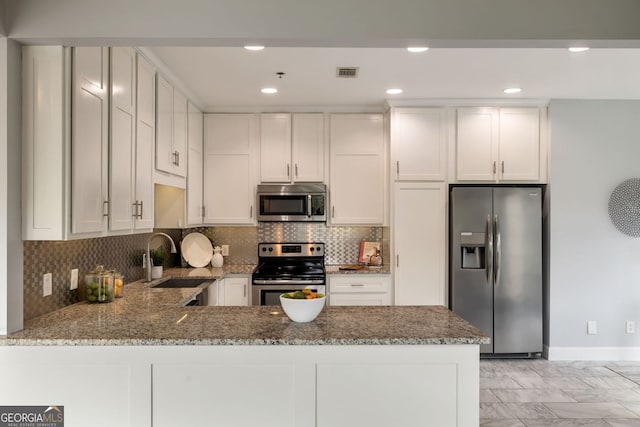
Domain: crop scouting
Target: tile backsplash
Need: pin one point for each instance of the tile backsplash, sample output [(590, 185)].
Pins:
[(124, 253)]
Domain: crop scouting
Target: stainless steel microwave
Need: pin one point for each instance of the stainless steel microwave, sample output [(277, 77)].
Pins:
[(292, 202)]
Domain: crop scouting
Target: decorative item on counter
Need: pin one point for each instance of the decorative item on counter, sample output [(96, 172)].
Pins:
[(197, 249), (118, 284), (157, 257), (99, 285), (302, 306), (370, 253), (217, 260)]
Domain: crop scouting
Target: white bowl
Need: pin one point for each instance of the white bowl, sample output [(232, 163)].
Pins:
[(302, 310)]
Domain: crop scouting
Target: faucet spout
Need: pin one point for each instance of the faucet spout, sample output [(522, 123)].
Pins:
[(149, 265)]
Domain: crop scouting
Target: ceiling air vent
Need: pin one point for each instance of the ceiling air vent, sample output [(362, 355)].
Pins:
[(347, 72)]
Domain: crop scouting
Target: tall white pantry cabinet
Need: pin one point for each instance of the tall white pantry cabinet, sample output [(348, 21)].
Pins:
[(78, 131)]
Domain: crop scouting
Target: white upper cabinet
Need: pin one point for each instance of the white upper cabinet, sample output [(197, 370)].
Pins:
[(230, 165), (275, 147), (89, 140), (145, 145), (291, 147), (357, 184), (498, 144), (122, 139), (171, 122), (195, 207), (308, 147), (419, 144), (519, 144)]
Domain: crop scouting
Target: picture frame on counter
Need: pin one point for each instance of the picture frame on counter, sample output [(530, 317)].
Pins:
[(369, 252)]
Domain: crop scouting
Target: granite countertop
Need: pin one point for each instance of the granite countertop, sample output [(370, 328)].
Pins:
[(336, 269), (157, 316)]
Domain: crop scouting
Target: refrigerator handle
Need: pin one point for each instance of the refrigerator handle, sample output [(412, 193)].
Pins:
[(498, 251), (489, 252)]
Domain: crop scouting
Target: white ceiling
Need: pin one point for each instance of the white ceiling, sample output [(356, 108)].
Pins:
[(230, 78)]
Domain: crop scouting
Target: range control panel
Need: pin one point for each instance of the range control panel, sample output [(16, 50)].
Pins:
[(291, 250)]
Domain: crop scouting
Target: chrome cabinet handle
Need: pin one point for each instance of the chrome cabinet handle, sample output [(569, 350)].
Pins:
[(296, 168), (288, 170), (105, 208), (498, 251), (494, 167), (502, 167), (135, 210), (244, 291), (203, 211), (309, 205), (141, 208), (357, 284), (489, 254), (397, 260), (178, 158), (333, 211), (397, 168), (251, 211)]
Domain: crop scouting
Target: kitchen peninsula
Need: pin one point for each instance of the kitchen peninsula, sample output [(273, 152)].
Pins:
[(146, 360)]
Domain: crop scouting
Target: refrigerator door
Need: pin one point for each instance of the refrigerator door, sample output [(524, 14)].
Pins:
[(518, 270), (471, 291)]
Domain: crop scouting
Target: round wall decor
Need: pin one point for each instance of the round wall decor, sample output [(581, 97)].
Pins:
[(624, 207)]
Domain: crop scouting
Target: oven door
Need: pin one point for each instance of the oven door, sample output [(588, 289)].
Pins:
[(270, 294)]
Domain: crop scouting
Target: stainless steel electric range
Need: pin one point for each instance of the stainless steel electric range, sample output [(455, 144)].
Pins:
[(285, 267)]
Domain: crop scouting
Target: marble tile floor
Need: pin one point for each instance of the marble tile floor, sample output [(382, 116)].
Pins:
[(519, 393)]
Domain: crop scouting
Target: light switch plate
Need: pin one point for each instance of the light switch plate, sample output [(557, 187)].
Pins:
[(47, 285), (225, 250), (73, 281), (592, 328)]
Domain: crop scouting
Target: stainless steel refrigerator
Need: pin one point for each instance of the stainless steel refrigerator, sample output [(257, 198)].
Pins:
[(496, 264)]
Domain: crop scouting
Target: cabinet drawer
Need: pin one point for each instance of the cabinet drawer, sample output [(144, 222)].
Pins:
[(359, 283), (359, 299)]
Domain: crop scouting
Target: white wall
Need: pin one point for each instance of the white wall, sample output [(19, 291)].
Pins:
[(594, 269), (10, 188), (373, 23)]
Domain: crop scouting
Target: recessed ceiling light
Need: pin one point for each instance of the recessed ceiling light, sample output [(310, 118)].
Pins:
[(417, 49), (254, 47), (579, 49), (269, 90), (513, 90), (394, 91)]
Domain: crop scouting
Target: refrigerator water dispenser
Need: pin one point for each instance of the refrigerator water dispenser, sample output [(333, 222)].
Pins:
[(472, 247)]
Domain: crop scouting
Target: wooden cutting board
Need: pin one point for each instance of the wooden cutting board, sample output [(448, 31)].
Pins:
[(351, 267)]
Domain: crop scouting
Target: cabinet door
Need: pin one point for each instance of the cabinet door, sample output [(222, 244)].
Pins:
[(89, 140), (164, 123), (123, 122), (308, 147), (419, 243), (419, 144), (145, 144), (275, 147), (229, 167), (357, 169), (195, 165), (180, 152), (519, 144), (236, 291), (477, 144)]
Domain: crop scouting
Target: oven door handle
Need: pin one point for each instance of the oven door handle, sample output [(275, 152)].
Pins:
[(288, 282)]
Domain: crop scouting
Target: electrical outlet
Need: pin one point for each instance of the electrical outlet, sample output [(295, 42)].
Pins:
[(73, 282), (630, 327), (47, 285), (592, 327), (225, 250)]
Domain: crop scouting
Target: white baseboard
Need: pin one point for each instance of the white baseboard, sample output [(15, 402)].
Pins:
[(592, 353)]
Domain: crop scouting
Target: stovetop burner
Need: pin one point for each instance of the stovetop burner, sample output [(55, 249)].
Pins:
[(290, 261)]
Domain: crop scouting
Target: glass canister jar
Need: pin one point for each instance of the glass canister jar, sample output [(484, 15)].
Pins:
[(99, 285), (118, 284)]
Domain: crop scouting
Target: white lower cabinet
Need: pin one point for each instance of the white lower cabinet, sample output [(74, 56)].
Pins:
[(359, 289), (232, 290)]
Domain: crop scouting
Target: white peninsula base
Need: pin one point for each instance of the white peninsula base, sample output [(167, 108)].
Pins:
[(238, 385)]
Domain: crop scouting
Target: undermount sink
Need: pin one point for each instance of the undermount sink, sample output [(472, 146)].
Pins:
[(182, 283)]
